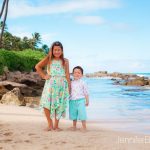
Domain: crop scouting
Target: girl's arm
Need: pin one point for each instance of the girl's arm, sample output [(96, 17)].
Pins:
[(39, 67), (67, 73)]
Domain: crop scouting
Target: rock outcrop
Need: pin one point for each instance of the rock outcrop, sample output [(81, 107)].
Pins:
[(122, 78), (16, 87), (30, 84), (13, 97), (139, 81)]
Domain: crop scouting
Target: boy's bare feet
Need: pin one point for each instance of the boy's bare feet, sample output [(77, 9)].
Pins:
[(83, 130), (73, 128)]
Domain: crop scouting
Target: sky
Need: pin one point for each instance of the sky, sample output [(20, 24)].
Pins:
[(99, 35)]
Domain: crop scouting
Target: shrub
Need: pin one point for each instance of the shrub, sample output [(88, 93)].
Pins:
[(19, 60)]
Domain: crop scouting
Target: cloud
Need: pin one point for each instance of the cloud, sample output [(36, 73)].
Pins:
[(121, 26), (96, 20), (20, 31), (47, 37), (135, 65), (94, 64), (26, 8), (23, 31)]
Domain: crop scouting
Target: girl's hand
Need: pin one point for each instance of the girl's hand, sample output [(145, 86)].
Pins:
[(46, 77)]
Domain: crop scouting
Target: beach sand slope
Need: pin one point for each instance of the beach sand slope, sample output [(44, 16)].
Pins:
[(22, 128)]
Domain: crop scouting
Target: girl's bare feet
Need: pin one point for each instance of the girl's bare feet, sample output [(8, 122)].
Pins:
[(57, 129), (48, 129)]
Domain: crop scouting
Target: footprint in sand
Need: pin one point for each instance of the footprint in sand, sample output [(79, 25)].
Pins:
[(6, 140), (79, 146), (27, 141), (45, 147), (60, 143), (8, 133), (36, 137), (3, 125), (83, 147), (30, 134), (18, 141)]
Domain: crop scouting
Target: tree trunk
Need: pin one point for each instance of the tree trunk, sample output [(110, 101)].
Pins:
[(2, 8), (5, 4)]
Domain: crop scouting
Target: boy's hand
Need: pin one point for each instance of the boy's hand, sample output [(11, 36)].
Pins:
[(87, 103)]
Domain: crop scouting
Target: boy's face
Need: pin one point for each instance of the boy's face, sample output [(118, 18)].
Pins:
[(77, 74)]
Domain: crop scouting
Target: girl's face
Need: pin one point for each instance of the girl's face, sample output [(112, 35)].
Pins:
[(57, 51), (77, 74)]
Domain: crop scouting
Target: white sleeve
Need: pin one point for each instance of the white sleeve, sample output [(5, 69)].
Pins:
[(85, 89)]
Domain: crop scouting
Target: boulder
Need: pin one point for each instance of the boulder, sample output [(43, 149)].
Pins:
[(11, 85), (30, 87), (3, 90), (139, 81), (13, 97), (32, 101)]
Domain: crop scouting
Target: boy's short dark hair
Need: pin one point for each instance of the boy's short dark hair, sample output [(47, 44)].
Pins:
[(78, 67)]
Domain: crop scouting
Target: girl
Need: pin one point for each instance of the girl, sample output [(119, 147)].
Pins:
[(56, 89)]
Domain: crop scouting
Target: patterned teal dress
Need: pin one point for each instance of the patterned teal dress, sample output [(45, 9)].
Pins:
[(55, 94)]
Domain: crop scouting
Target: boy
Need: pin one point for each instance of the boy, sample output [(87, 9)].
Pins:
[(78, 99)]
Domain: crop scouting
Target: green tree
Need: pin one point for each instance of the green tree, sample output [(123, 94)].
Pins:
[(5, 26), (45, 48), (25, 43), (7, 41), (36, 39)]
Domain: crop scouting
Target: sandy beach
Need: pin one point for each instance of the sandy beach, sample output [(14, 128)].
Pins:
[(22, 128)]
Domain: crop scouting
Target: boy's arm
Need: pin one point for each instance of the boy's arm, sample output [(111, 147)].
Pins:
[(86, 94), (87, 100)]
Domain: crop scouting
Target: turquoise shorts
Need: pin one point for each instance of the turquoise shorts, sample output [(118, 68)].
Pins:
[(77, 109)]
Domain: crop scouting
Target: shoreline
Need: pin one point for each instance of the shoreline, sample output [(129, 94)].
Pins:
[(22, 128)]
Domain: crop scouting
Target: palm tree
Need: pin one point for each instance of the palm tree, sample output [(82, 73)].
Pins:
[(7, 40), (4, 6), (16, 43), (5, 27), (2, 10), (25, 43), (45, 48), (36, 39)]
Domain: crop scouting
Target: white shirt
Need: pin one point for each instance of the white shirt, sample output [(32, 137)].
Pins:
[(79, 89)]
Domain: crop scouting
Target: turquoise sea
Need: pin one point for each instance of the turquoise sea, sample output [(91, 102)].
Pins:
[(125, 108)]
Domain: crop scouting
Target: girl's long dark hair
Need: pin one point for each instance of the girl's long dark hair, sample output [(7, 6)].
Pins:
[(51, 56)]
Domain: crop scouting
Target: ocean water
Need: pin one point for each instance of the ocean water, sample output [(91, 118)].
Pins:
[(144, 74), (125, 108)]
